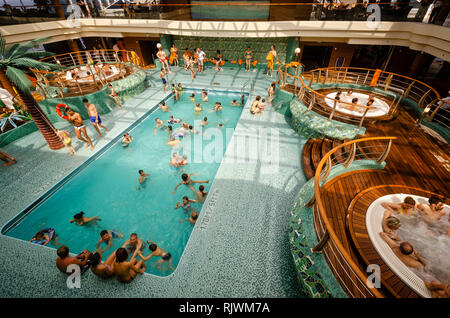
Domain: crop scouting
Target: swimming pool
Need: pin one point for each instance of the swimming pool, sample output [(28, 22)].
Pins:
[(107, 186)]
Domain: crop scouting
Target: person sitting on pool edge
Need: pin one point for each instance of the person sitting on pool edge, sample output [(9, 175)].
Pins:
[(186, 179), (192, 219), (107, 236), (142, 176), (405, 208), (127, 271), (133, 245), (64, 260), (80, 219), (434, 210), (405, 252), (126, 140), (103, 270), (157, 251)]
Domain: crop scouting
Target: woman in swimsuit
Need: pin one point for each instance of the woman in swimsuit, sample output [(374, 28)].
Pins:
[(248, 59), (103, 270), (126, 271), (186, 205), (407, 207), (173, 55)]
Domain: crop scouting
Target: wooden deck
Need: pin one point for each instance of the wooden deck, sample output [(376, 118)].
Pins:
[(416, 160)]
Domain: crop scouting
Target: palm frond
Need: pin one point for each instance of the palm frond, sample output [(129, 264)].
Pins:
[(37, 54), (24, 47), (2, 44), (10, 49), (19, 79), (25, 62)]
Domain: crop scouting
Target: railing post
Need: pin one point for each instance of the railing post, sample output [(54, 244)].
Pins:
[(345, 75), (326, 76), (363, 117), (319, 247), (333, 111), (326, 171), (385, 152), (312, 79), (351, 156), (367, 75), (311, 202), (437, 108), (422, 99), (406, 93), (312, 101), (425, 112)]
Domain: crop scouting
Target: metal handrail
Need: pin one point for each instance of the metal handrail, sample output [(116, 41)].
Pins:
[(322, 172)]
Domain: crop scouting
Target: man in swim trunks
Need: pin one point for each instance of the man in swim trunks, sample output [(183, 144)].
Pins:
[(157, 251), (127, 271), (405, 208), (163, 59), (405, 252), (200, 57), (64, 260), (75, 119), (200, 195), (186, 179), (134, 245), (162, 75), (80, 219), (94, 116), (434, 210)]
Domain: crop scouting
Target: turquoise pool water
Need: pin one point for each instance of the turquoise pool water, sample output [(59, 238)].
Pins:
[(108, 187)]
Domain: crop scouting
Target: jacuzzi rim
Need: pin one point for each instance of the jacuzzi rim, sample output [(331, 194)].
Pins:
[(357, 116)]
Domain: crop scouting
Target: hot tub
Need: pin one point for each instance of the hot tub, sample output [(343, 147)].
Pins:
[(378, 108)]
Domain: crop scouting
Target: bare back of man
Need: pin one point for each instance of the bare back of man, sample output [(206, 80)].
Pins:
[(77, 122)]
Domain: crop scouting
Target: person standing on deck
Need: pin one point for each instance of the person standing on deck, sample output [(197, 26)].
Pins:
[(77, 122), (248, 59), (271, 56), (94, 116)]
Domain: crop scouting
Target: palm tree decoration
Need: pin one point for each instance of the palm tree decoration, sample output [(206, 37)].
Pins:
[(16, 58)]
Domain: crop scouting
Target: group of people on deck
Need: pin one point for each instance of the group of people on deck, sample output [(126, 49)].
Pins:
[(430, 213), (197, 58)]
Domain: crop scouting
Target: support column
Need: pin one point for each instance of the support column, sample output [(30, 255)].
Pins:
[(58, 8), (75, 48)]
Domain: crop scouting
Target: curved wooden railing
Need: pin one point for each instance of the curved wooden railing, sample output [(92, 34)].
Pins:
[(391, 86), (285, 78), (329, 243), (438, 111), (89, 71)]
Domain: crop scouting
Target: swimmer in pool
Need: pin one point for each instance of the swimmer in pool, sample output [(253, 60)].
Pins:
[(201, 194), (103, 270), (126, 140), (204, 96), (242, 99), (192, 219), (107, 237), (134, 245), (217, 107), (204, 122), (173, 142), (170, 130), (142, 176), (127, 271), (222, 125), (234, 103), (434, 210), (198, 109), (43, 237), (183, 161), (157, 251), (174, 161), (405, 252), (159, 124), (80, 219), (192, 98), (354, 106), (164, 107), (405, 208), (438, 290), (173, 121), (186, 205), (186, 179)]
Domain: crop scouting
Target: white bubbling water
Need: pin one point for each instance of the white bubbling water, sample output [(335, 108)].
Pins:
[(430, 240)]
